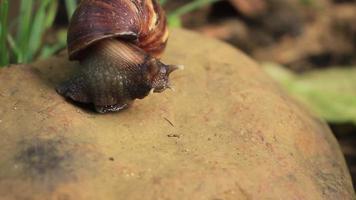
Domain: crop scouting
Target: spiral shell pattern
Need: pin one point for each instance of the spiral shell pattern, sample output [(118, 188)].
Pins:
[(140, 22)]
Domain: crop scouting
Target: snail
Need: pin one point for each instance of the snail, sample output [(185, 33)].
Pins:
[(118, 44)]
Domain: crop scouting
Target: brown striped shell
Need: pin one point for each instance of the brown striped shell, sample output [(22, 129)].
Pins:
[(141, 22)]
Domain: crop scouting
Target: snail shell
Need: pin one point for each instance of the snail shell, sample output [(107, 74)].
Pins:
[(118, 43), (141, 22)]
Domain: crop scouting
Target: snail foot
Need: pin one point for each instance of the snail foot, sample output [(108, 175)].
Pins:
[(74, 89), (111, 108)]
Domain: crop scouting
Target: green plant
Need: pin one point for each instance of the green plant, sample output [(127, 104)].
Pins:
[(4, 55), (330, 93), (27, 43), (307, 2), (22, 41), (174, 18), (162, 2), (70, 5)]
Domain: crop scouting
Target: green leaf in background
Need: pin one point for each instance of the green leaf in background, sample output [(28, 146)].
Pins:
[(174, 21), (306, 2), (51, 13), (190, 7), (39, 26), (36, 17), (24, 29), (4, 9), (162, 2), (174, 17), (331, 93), (70, 6), (49, 50)]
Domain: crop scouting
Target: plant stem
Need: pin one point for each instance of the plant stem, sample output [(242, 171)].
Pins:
[(4, 54)]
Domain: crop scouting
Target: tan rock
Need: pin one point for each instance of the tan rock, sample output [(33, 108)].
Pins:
[(228, 132)]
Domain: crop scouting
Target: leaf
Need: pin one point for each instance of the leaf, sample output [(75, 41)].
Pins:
[(70, 6), (191, 6), (51, 14), (174, 17), (163, 2), (49, 50), (331, 93), (38, 28), (24, 29), (174, 21), (4, 56)]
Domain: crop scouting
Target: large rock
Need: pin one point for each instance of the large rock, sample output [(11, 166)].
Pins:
[(228, 132)]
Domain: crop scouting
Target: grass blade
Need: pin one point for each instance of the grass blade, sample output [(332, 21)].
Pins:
[(12, 43), (49, 50), (4, 55), (37, 30), (174, 18), (163, 2), (70, 6), (24, 28), (51, 14), (330, 92), (191, 7)]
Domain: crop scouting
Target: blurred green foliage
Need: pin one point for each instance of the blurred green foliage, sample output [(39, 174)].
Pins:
[(36, 17), (70, 6), (174, 18), (331, 93), (307, 2), (22, 39), (4, 54)]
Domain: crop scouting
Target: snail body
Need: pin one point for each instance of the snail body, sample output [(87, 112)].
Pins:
[(118, 44)]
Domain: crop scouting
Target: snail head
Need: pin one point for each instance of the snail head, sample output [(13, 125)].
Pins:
[(159, 75)]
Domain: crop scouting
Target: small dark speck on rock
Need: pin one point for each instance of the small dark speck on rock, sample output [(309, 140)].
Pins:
[(174, 135), (207, 67), (169, 121), (111, 159)]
